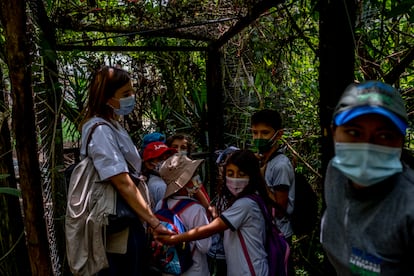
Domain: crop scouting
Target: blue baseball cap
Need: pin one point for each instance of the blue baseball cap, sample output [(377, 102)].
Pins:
[(371, 97), (152, 137)]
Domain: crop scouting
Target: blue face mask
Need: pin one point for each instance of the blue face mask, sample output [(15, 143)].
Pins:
[(126, 105), (367, 164)]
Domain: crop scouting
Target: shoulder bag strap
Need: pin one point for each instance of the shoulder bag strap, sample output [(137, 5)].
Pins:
[(93, 127), (246, 253)]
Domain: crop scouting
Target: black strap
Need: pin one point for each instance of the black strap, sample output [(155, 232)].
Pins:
[(273, 155)]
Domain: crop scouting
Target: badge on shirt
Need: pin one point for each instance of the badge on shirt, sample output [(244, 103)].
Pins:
[(363, 263)]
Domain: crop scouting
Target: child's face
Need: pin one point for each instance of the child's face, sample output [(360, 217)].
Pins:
[(193, 185), (262, 131), (154, 163), (234, 171), (181, 145), (236, 180)]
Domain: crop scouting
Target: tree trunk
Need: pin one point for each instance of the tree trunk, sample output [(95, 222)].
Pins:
[(14, 20), (11, 222), (337, 57), (215, 124)]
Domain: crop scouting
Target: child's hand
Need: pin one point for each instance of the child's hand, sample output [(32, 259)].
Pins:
[(213, 211), (166, 239)]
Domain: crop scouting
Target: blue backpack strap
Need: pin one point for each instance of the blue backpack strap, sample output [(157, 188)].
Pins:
[(181, 205), (164, 204)]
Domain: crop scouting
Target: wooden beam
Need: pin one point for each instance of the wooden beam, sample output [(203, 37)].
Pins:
[(255, 13), (87, 48)]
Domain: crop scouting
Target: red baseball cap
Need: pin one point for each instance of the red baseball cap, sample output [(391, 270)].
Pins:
[(156, 149)]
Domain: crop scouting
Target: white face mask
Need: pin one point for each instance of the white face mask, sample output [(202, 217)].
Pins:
[(367, 164), (158, 166), (196, 186), (236, 185)]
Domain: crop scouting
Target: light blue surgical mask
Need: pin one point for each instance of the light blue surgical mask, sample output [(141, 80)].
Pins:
[(126, 105), (367, 164)]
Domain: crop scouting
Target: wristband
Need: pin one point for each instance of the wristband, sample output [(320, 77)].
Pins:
[(153, 228)]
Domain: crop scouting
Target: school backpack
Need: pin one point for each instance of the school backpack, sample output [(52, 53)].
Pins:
[(276, 246), (172, 259), (304, 217)]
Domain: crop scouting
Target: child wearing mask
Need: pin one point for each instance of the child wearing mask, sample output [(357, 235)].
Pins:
[(149, 138), (182, 143), (242, 177), (266, 127), (180, 174), (155, 153)]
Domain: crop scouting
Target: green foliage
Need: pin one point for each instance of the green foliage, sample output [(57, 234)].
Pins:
[(10, 191), (273, 63)]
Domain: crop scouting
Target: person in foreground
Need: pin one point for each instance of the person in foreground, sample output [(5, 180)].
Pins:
[(242, 177), (114, 154), (368, 225)]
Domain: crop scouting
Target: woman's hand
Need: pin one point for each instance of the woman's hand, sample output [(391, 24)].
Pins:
[(160, 229)]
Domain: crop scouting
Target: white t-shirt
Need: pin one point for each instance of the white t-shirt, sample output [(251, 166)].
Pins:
[(192, 217), (245, 215)]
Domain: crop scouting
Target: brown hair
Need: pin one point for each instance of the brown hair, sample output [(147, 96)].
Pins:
[(105, 82)]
